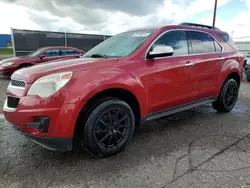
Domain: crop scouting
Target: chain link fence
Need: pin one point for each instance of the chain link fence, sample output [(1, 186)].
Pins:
[(26, 41)]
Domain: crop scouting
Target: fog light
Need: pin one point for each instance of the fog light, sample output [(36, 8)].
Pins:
[(41, 124)]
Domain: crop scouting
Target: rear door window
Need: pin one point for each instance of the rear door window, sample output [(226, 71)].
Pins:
[(52, 53), (66, 52), (201, 42)]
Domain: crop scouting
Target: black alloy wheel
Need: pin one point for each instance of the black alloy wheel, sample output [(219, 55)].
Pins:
[(112, 128), (108, 128), (228, 96), (231, 94)]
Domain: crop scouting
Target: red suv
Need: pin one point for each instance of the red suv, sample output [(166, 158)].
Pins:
[(41, 55), (135, 76)]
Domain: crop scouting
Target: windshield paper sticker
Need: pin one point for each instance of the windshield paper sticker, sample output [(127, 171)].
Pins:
[(140, 34)]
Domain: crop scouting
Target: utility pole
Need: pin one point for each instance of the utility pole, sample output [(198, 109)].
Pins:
[(215, 10)]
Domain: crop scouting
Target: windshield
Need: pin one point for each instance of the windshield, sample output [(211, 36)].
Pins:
[(120, 45), (36, 52)]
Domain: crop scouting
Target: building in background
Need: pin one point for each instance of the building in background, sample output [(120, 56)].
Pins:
[(243, 46), (5, 41)]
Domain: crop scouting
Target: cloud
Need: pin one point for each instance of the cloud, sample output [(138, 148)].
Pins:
[(20, 21), (247, 4), (238, 27), (110, 17), (132, 7), (96, 16)]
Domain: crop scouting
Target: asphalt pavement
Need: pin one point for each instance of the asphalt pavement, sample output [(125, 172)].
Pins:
[(195, 148)]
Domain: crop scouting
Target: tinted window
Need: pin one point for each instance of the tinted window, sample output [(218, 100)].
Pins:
[(51, 53), (201, 42), (218, 48), (228, 40), (69, 52), (176, 39)]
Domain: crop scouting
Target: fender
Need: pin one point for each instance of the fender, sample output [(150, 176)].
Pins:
[(230, 66), (84, 88)]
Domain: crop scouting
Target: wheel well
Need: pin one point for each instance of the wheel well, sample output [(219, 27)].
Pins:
[(121, 94), (235, 76), (24, 65)]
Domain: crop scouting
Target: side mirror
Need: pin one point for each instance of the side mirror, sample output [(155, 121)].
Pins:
[(161, 51), (41, 56)]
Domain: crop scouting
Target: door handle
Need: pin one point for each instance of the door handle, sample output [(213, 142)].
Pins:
[(189, 64), (221, 58)]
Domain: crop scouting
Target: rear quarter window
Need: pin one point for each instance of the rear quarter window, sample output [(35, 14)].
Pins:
[(226, 38)]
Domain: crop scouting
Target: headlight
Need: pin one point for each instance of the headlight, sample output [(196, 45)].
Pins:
[(50, 84), (7, 64)]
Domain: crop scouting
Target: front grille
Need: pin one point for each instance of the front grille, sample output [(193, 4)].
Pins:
[(18, 83), (12, 102)]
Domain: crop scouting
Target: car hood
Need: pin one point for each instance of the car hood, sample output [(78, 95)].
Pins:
[(32, 73), (15, 59)]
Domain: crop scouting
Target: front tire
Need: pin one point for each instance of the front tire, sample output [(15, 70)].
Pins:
[(228, 97), (108, 128)]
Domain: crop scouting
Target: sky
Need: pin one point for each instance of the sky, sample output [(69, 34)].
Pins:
[(114, 16)]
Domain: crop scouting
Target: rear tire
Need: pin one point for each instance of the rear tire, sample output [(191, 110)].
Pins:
[(248, 78), (228, 97), (108, 128)]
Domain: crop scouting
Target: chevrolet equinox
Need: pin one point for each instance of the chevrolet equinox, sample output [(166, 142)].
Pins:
[(96, 101)]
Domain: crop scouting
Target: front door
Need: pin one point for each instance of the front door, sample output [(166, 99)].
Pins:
[(167, 79), (51, 55)]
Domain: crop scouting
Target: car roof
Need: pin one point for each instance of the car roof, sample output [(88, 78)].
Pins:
[(62, 47), (192, 28), (188, 26)]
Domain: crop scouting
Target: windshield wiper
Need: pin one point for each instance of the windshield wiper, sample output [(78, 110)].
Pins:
[(98, 56)]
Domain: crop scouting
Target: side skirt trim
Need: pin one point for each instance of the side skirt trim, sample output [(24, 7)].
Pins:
[(157, 115)]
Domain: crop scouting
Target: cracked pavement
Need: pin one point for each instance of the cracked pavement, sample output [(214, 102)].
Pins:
[(195, 148)]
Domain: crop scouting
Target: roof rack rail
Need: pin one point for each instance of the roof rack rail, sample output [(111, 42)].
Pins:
[(199, 25)]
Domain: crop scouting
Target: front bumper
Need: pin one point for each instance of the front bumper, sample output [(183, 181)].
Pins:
[(7, 71), (48, 122), (56, 144)]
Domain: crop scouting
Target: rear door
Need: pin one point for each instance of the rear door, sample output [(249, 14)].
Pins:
[(167, 78), (206, 58)]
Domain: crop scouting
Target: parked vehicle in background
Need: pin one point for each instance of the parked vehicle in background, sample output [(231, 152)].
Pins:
[(97, 101), (247, 67), (41, 55)]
